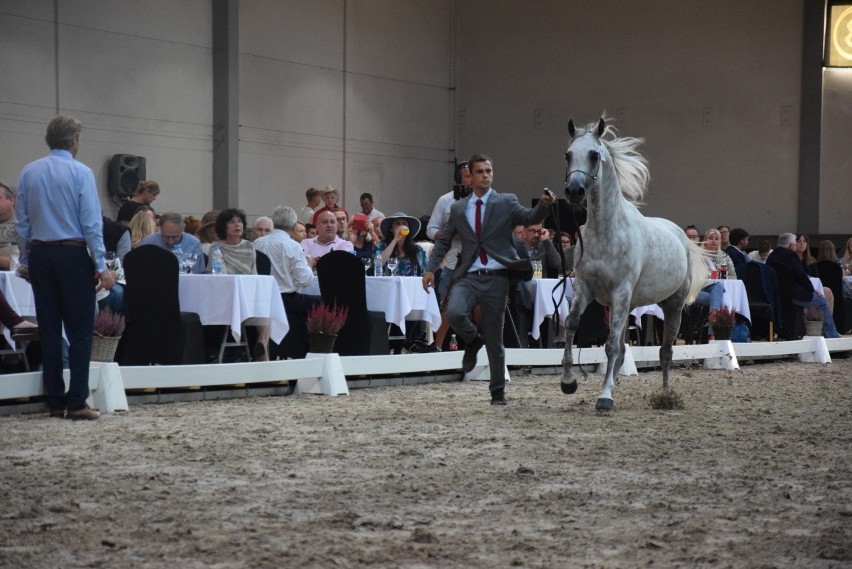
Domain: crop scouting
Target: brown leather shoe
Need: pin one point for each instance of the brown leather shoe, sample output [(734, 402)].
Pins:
[(84, 414), (57, 413)]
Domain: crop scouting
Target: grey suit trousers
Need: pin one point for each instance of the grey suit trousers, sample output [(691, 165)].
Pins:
[(491, 293)]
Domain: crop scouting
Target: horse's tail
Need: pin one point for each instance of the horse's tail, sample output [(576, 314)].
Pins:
[(697, 272)]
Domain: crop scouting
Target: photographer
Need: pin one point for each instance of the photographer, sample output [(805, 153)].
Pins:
[(461, 189)]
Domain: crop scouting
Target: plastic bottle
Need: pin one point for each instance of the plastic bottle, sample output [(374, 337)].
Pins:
[(454, 344), (216, 265), (377, 265)]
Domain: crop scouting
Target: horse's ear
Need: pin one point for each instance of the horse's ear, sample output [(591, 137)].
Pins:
[(572, 130), (601, 127)]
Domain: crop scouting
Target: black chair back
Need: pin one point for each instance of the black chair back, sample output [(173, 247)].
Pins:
[(792, 325), (153, 332), (761, 309), (831, 276), (341, 281), (264, 265)]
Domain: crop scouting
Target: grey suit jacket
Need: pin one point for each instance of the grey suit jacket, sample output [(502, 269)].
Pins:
[(502, 214)]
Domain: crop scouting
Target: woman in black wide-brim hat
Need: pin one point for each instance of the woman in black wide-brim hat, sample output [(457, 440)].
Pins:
[(399, 230)]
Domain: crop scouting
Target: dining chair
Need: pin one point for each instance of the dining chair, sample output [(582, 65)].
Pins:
[(759, 281), (831, 276), (157, 332), (342, 281), (264, 265)]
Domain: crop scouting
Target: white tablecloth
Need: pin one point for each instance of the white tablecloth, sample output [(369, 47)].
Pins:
[(545, 295), (400, 298), (234, 299), (734, 297)]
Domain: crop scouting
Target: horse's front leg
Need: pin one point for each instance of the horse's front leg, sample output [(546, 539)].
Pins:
[(614, 348), (578, 306)]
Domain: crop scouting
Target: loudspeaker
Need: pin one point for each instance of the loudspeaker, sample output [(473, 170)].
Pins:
[(125, 172)]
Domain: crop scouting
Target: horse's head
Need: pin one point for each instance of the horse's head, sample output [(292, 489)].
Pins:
[(583, 157)]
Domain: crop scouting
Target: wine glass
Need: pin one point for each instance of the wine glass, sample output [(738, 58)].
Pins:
[(368, 264), (189, 260), (393, 263)]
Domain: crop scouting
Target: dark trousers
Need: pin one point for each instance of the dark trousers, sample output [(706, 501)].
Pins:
[(64, 292), (490, 292)]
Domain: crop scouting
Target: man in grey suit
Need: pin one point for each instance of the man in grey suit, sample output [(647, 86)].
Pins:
[(484, 221)]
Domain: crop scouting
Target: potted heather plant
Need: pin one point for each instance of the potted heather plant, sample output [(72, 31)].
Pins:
[(722, 320), (324, 322), (109, 326), (813, 321)]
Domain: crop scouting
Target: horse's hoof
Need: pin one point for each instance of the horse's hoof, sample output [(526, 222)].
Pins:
[(568, 388), (604, 404)]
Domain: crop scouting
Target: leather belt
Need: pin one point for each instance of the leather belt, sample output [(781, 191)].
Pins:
[(60, 243), (491, 273)]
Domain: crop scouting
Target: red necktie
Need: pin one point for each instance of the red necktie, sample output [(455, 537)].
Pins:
[(483, 258)]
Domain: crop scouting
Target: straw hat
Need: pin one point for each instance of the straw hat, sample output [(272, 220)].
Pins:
[(413, 223), (209, 219)]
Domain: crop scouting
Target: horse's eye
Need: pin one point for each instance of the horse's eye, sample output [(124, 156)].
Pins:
[(594, 155), (568, 157)]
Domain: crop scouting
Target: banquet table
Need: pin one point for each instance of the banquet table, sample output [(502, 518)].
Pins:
[(235, 300), (734, 297), (545, 297), (400, 298)]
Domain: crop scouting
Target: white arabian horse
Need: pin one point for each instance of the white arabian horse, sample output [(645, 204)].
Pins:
[(624, 259)]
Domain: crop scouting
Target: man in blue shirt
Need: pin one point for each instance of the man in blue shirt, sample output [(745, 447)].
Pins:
[(172, 235), (59, 217)]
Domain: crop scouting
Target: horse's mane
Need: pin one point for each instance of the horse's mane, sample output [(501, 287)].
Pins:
[(631, 168)]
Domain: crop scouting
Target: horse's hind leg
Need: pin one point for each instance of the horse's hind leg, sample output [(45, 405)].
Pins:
[(672, 310), (568, 381)]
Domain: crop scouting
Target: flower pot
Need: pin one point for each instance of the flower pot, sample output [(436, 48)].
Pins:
[(721, 333), (320, 343), (104, 347), (813, 327)]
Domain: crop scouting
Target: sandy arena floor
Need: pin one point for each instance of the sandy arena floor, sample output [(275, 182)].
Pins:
[(754, 472)]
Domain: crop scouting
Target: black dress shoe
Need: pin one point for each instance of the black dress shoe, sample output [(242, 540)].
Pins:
[(470, 351), (498, 397)]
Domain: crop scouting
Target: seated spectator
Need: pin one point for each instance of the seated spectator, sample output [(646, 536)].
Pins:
[(206, 234), (299, 233), (117, 243), (310, 231), (739, 242), (724, 234), (116, 237), (21, 329), (399, 230), (364, 240), (342, 223), (314, 197), (803, 250), (846, 259), (785, 253), (326, 239), (191, 225), (262, 226), (330, 196), (8, 238), (567, 250), (542, 249), (171, 237), (764, 248), (291, 272), (712, 295), (826, 252), (146, 192), (368, 209), (141, 226), (238, 256), (692, 233)]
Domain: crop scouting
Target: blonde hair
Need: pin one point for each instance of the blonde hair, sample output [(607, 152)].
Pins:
[(141, 226)]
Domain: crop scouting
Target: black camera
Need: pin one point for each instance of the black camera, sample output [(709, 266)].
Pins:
[(460, 192)]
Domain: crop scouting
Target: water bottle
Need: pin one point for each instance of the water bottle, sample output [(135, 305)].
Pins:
[(216, 265), (377, 265), (454, 344), (178, 251)]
